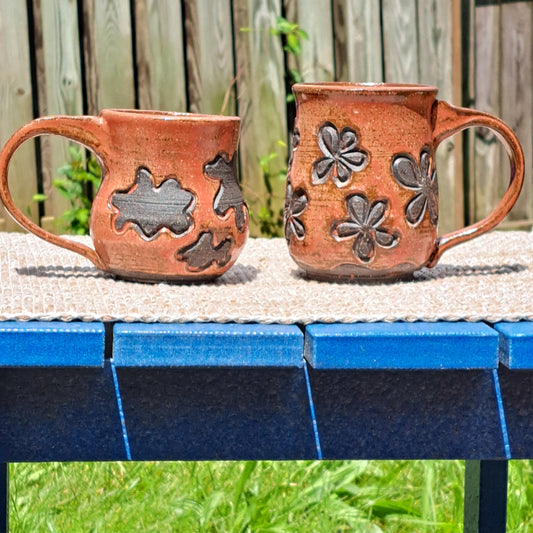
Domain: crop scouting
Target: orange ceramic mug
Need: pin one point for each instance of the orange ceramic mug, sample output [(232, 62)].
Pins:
[(169, 207), (362, 198)]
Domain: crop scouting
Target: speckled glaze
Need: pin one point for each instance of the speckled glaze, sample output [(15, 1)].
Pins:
[(362, 198), (169, 207)]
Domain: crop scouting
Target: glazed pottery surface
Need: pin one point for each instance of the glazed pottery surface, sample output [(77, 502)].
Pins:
[(362, 196), (169, 207)]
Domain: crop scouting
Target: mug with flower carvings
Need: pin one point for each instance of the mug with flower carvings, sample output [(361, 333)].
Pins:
[(169, 207), (362, 197)]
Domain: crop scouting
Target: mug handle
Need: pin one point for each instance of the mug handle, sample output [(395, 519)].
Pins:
[(86, 130), (448, 120)]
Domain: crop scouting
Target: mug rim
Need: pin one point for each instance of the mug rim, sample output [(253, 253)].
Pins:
[(363, 87), (170, 115)]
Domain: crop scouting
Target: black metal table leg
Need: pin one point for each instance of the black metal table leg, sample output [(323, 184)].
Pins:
[(4, 492), (485, 508)]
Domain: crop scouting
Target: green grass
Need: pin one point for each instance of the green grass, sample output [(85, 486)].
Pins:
[(366, 496), (263, 496)]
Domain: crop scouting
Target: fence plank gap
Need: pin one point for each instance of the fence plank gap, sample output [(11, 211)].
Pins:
[(437, 67), (515, 94), (400, 41), (316, 61), (160, 55), (487, 149), (60, 92), (210, 71), (16, 106), (261, 104), (357, 31), (108, 55)]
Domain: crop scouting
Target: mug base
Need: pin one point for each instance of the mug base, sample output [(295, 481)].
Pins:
[(143, 277), (347, 274)]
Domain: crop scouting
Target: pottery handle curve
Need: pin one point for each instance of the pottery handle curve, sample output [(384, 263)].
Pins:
[(448, 120), (86, 130)]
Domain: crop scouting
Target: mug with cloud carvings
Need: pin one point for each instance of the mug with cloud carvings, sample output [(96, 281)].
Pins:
[(169, 207)]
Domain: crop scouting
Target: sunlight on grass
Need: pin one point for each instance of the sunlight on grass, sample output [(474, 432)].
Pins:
[(266, 496)]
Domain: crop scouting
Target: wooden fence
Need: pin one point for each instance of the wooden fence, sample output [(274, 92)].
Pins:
[(79, 56)]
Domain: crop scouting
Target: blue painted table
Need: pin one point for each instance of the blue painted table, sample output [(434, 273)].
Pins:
[(97, 392)]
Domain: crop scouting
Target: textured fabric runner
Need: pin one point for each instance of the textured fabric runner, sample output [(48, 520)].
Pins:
[(490, 279)]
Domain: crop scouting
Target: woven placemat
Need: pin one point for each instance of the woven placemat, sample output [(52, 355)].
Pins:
[(490, 279)]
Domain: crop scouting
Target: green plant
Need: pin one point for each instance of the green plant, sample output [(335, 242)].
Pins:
[(292, 36), (269, 217), (76, 181)]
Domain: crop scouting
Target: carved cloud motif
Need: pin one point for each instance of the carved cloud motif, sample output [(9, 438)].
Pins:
[(203, 253), (229, 195), (150, 209)]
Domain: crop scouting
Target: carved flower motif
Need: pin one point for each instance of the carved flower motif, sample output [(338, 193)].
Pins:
[(423, 180), (295, 204), (364, 226), (341, 155)]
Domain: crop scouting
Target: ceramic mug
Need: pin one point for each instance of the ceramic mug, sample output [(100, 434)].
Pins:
[(362, 198), (169, 207)]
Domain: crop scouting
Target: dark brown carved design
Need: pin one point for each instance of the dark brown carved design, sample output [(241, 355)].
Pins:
[(229, 195), (364, 225), (294, 144), (422, 179), (202, 254), (295, 204), (342, 156), (149, 209)]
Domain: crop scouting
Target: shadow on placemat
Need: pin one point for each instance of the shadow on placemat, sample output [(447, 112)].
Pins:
[(58, 271), (238, 274), (459, 271)]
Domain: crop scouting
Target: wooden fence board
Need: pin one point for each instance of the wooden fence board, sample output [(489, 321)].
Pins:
[(108, 55), (487, 183), (358, 50), (210, 71), (316, 62), (60, 90), (160, 57), (261, 100), (436, 57), (515, 91), (16, 106), (400, 41)]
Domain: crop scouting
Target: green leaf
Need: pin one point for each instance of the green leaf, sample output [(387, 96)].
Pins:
[(83, 216), (74, 153), (264, 161), (302, 34), (296, 75), (284, 26), (293, 44), (264, 214), (94, 167), (245, 29), (384, 508), (39, 197)]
